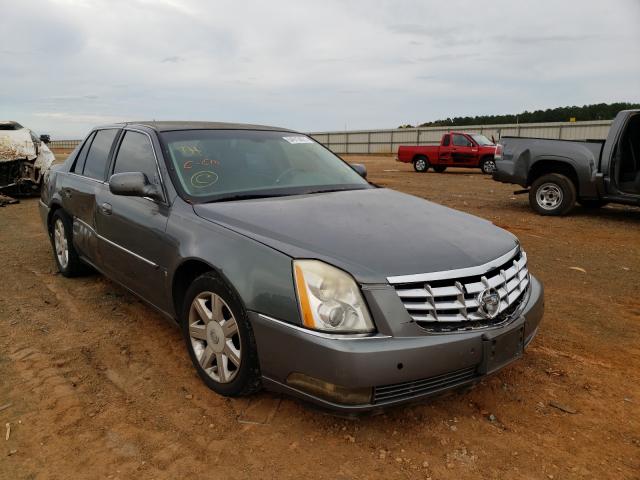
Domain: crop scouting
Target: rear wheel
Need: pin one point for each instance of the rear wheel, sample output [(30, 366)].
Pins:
[(488, 166), (67, 259), (421, 164), (439, 169), (552, 194), (219, 338)]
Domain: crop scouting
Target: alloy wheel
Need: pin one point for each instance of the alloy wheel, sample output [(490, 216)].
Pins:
[(60, 243), (489, 166), (215, 337)]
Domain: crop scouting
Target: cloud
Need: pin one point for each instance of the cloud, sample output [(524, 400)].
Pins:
[(309, 65), (72, 117), (173, 59), (534, 39)]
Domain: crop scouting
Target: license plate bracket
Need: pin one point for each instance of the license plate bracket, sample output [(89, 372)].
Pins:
[(500, 350)]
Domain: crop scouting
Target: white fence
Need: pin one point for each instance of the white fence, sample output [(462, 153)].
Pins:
[(388, 141)]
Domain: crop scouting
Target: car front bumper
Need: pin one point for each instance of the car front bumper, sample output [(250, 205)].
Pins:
[(397, 369)]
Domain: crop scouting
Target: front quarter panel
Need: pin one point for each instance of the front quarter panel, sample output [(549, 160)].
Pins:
[(260, 275)]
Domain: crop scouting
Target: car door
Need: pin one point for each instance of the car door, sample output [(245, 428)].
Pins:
[(133, 244), (461, 152), (79, 189), (444, 152)]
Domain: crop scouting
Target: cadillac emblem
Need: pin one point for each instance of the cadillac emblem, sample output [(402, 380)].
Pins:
[(489, 302)]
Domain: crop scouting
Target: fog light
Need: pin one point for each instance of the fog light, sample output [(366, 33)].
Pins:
[(329, 391)]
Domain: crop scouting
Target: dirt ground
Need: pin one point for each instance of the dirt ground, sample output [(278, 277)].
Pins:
[(94, 384)]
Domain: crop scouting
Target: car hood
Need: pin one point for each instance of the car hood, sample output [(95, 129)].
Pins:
[(373, 233)]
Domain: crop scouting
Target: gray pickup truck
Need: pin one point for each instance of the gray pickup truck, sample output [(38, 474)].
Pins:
[(557, 173)]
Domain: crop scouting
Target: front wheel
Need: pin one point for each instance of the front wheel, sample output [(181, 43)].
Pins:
[(421, 164), (552, 194), (488, 166), (219, 338)]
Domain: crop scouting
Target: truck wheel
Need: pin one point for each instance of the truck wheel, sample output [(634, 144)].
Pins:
[(421, 164), (67, 259), (488, 166), (592, 204), (439, 169), (552, 194)]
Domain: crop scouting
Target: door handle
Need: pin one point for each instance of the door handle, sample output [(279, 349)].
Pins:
[(106, 208)]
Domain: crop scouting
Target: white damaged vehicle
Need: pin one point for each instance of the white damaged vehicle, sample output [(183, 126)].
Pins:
[(24, 159)]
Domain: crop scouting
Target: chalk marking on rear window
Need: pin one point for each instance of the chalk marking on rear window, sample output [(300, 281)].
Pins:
[(296, 140)]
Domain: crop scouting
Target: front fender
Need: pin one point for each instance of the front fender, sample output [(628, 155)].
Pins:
[(260, 275)]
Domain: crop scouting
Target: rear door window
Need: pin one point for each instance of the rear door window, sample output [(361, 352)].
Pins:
[(82, 156), (96, 163), (136, 155)]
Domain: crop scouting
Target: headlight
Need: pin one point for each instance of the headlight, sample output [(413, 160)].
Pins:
[(329, 298)]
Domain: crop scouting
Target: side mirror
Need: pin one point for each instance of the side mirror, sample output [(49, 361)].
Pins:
[(360, 168), (45, 138), (133, 184)]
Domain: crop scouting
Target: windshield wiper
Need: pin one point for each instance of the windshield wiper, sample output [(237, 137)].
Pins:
[(253, 196), (249, 196), (329, 190)]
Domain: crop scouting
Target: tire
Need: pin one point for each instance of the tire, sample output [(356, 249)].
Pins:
[(488, 166), (439, 169), (223, 353), (592, 204), (552, 194), (64, 253), (421, 164)]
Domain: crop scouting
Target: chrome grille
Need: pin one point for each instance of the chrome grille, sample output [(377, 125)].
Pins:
[(451, 303)]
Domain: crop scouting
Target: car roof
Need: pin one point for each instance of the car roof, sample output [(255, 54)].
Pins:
[(166, 126)]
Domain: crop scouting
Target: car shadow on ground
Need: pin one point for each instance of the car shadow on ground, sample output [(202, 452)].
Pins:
[(618, 213), (459, 172)]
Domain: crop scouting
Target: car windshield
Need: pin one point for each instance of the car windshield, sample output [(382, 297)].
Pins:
[(481, 139), (215, 165)]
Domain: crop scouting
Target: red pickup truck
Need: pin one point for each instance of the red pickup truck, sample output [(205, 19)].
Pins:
[(456, 149)]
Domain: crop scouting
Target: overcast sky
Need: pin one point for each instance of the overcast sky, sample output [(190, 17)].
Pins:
[(66, 65)]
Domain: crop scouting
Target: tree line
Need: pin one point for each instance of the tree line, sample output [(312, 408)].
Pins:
[(597, 111)]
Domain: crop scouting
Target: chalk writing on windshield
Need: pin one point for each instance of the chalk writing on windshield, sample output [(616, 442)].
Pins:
[(205, 162), (189, 150), (204, 179)]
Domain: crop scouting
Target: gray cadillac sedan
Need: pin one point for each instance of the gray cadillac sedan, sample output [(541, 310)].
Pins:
[(285, 268)]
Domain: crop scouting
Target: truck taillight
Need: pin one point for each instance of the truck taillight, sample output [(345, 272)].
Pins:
[(498, 154)]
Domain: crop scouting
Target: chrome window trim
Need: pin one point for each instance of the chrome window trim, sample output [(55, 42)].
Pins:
[(88, 178), (331, 336), (100, 237), (460, 273)]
